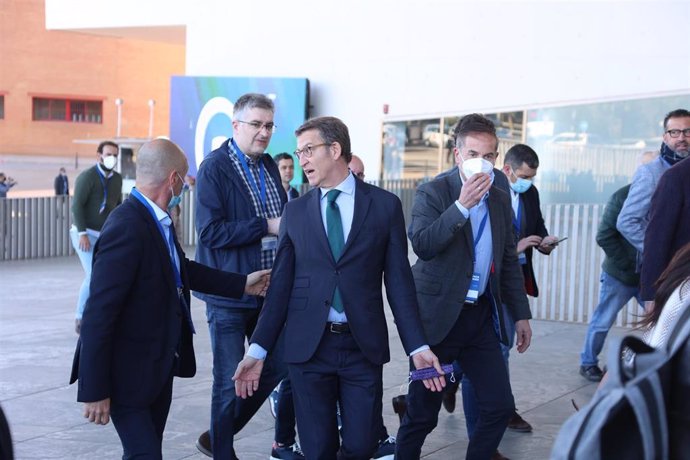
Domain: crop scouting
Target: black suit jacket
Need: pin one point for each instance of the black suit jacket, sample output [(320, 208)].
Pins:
[(292, 193), (533, 224), (61, 185), (442, 238), (134, 334), (305, 275)]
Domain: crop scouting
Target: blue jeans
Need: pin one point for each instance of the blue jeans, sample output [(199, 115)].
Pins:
[(469, 399), (228, 328), (612, 298), (86, 259)]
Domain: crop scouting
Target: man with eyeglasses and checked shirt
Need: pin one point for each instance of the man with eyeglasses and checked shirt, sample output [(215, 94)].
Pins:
[(669, 211), (239, 203), (634, 216)]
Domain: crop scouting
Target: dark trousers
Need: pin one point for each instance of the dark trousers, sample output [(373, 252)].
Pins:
[(285, 415), (338, 372), (141, 428), (473, 342), (228, 328)]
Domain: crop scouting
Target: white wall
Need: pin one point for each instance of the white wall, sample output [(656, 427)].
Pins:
[(439, 56)]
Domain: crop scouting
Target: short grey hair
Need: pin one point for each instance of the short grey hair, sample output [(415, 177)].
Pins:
[(156, 159), (251, 101)]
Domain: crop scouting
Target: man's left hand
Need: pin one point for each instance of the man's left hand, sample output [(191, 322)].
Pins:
[(247, 376), (524, 335), (98, 412), (427, 358)]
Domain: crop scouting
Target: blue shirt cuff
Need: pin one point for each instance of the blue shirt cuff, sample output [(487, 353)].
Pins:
[(462, 209), (256, 351)]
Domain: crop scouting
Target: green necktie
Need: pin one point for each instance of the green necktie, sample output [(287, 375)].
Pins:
[(336, 240)]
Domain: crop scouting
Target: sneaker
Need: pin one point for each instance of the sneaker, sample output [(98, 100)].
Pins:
[(204, 444), (293, 452), (591, 373), (386, 449), (273, 400)]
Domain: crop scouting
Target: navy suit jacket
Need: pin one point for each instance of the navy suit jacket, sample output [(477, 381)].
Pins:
[(669, 225), (442, 238), (305, 275), (134, 335)]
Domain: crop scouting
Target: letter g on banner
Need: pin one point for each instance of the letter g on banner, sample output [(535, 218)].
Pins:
[(215, 106)]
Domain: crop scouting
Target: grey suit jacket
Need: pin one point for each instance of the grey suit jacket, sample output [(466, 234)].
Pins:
[(442, 238), (634, 216)]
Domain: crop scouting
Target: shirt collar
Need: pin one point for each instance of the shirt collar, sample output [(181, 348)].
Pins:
[(347, 186), (103, 172), (160, 214), (250, 161)]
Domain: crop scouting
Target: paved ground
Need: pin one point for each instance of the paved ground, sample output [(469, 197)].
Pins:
[(37, 342), (35, 173)]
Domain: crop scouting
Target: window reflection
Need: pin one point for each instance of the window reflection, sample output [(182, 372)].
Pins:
[(586, 151)]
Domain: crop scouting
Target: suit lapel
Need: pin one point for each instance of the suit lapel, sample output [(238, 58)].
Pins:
[(161, 245), (362, 204), (455, 187), (496, 225), (314, 220)]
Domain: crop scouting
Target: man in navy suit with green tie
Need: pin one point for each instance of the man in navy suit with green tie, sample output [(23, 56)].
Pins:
[(336, 244)]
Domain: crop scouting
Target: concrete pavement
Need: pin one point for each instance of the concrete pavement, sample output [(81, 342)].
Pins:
[(37, 341)]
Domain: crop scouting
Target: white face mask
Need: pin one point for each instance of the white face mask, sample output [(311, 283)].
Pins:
[(476, 165), (109, 162)]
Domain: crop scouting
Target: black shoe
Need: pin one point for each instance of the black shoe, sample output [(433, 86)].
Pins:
[(204, 444), (400, 406), (519, 424), (448, 396), (293, 452), (591, 373)]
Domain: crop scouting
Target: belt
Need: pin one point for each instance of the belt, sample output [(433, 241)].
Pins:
[(338, 328)]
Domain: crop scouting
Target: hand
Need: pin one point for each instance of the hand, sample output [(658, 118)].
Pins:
[(247, 376), (649, 307), (548, 244), (98, 412), (474, 189), (427, 358), (273, 225), (77, 325), (524, 335), (257, 282), (84, 243), (528, 242)]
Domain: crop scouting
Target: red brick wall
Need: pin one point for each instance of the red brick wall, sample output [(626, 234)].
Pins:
[(34, 61)]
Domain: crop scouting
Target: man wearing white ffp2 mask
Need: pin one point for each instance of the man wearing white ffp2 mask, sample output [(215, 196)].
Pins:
[(464, 238), (97, 191)]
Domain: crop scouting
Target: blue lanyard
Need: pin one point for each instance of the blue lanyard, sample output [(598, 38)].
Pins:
[(478, 238), (104, 183), (261, 191), (517, 220), (171, 244)]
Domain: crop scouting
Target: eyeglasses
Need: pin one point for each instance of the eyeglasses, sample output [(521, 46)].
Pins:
[(258, 126), (308, 151), (676, 132)]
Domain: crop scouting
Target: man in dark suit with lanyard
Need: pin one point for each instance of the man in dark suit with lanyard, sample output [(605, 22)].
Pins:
[(337, 243), (468, 266), (137, 327)]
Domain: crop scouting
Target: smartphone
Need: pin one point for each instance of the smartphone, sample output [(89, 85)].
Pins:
[(559, 241)]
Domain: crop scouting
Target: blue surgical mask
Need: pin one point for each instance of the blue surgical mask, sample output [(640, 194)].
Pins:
[(177, 199), (520, 185)]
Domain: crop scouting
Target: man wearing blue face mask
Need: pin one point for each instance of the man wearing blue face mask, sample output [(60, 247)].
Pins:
[(137, 327)]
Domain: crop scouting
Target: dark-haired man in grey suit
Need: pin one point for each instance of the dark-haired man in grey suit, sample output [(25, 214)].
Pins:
[(462, 232)]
